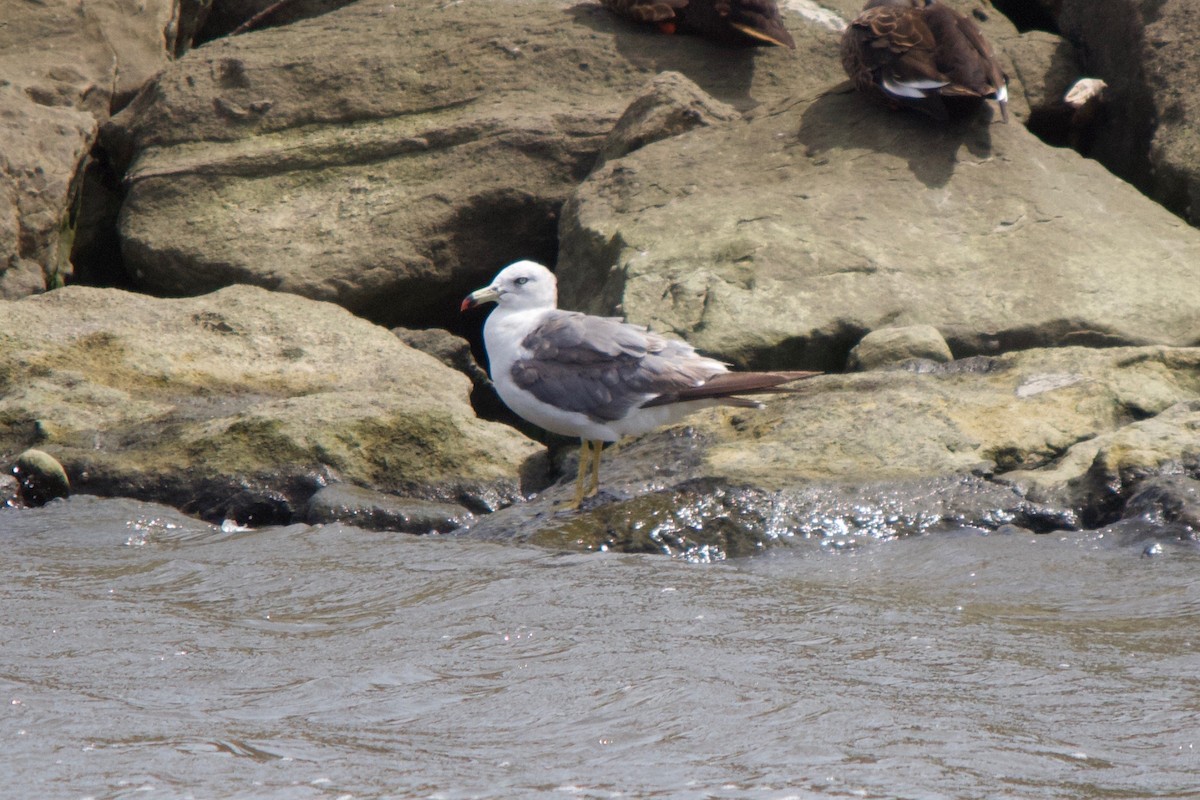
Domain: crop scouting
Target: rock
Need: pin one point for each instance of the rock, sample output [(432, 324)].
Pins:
[(242, 403), (23, 277), (10, 492), (668, 106), (453, 351), (1145, 52), (1168, 499), (392, 185), (65, 66), (231, 16), (1046, 64), (983, 442), (888, 346), (707, 520), (1102, 473), (1050, 70), (377, 511), (41, 477), (781, 241)]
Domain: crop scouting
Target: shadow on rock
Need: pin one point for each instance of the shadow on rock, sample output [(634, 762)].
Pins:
[(843, 119)]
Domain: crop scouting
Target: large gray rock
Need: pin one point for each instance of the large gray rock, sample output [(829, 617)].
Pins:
[(242, 403), (390, 156), (1044, 439), (65, 65), (781, 241)]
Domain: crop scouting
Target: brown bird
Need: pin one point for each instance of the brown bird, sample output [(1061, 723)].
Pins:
[(920, 53), (733, 21)]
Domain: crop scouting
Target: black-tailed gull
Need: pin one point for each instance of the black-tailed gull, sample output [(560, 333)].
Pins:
[(597, 378)]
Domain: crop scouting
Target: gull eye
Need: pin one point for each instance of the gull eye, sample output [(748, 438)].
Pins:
[(521, 281)]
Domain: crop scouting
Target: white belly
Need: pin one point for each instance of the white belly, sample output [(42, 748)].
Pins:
[(503, 334)]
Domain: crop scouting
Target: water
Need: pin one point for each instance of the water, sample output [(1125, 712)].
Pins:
[(147, 655)]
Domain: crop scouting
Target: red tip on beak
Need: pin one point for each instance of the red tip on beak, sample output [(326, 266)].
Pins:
[(478, 298)]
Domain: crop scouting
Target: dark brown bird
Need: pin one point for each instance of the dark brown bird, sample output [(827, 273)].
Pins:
[(734, 21), (920, 53)]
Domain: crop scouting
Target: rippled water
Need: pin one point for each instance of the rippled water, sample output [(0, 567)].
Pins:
[(152, 656)]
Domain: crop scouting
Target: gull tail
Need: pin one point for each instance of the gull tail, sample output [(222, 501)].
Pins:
[(725, 388)]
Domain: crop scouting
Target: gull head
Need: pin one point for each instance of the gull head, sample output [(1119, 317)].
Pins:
[(521, 286)]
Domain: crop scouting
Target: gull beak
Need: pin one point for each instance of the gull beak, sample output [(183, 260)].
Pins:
[(479, 297)]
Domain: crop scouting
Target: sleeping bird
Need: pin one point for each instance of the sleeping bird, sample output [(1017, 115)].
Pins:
[(732, 21), (919, 54)]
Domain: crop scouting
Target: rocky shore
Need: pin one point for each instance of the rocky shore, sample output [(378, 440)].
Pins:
[(231, 266)]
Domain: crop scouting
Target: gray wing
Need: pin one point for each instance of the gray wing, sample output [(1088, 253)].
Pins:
[(603, 367)]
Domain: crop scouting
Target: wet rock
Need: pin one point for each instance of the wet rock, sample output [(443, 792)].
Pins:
[(1102, 473), (241, 404), (888, 346), (377, 511), (890, 453), (1168, 499), (394, 185), (705, 520), (781, 241), (40, 478)]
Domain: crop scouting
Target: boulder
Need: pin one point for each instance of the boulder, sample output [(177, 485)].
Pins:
[(1045, 439), (892, 346), (780, 241), (41, 477), (65, 66), (391, 156), (242, 403)]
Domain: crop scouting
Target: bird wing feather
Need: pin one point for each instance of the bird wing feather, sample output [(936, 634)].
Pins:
[(603, 367), (896, 40), (646, 10)]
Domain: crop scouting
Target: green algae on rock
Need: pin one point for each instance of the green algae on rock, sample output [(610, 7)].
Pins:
[(206, 403)]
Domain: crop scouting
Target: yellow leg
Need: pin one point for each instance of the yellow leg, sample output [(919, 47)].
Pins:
[(587, 479), (597, 449), (585, 456)]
